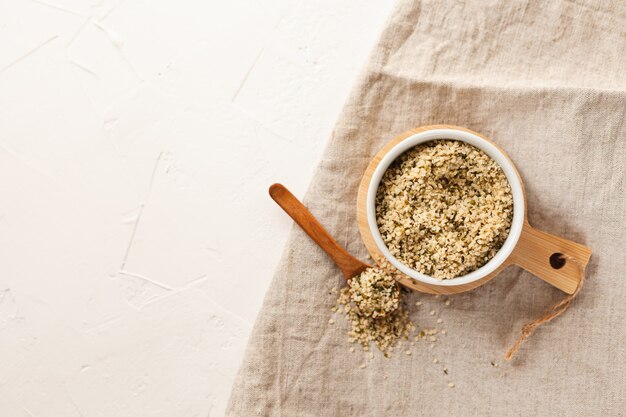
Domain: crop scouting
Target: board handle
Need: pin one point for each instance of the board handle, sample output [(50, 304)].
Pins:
[(557, 261)]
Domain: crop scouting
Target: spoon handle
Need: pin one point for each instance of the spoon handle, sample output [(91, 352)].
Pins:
[(349, 265)]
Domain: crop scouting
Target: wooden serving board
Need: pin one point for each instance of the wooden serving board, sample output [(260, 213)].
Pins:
[(556, 260)]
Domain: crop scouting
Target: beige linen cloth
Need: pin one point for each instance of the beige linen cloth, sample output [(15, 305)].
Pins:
[(547, 82)]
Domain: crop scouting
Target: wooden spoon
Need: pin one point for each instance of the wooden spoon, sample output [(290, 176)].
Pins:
[(348, 264)]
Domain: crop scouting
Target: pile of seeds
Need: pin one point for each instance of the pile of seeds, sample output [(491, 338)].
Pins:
[(372, 306), (385, 331), (444, 208), (391, 330), (374, 293)]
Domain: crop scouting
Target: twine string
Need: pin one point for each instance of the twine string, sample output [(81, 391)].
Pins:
[(559, 308)]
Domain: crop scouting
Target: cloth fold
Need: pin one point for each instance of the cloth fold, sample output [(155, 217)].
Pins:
[(546, 81)]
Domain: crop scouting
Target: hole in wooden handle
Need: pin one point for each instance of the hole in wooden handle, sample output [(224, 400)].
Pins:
[(557, 260)]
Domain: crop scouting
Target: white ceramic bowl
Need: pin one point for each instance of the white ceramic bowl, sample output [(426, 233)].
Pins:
[(491, 150)]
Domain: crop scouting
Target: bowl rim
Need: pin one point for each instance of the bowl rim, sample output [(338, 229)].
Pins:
[(493, 152)]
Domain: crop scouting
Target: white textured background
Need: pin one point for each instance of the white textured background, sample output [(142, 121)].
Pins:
[(137, 142)]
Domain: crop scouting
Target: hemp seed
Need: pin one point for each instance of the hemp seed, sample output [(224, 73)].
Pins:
[(444, 208), (374, 293), (386, 324)]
